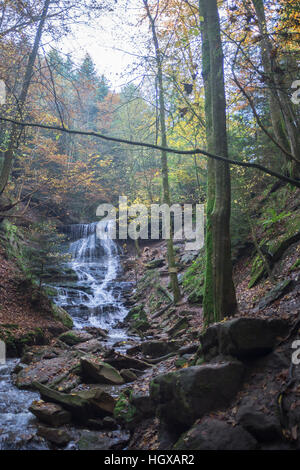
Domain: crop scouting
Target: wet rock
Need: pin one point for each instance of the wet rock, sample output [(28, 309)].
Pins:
[(57, 436), (128, 375), (50, 413), (71, 338), (100, 372), (159, 348), (96, 332), (90, 346), (263, 427), (187, 394), (92, 440), (79, 407), (213, 434), (243, 337), (47, 371)]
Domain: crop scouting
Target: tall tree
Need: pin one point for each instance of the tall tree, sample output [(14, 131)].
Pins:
[(14, 132), (284, 121), (219, 296), (164, 156)]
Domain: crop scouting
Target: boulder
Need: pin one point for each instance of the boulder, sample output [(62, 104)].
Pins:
[(131, 409), (128, 375), (263, 427), (97, 371), (50, 413), (155, 348), (59, 437), (101, 403), (89, 346), (187, 394), (47, 371), (121, 361), (82, 405), (79, 407), (213, 434), (71, 338), (93, 440), (243, 337)]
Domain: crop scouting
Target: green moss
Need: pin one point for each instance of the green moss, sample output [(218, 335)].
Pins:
[(124, 411)]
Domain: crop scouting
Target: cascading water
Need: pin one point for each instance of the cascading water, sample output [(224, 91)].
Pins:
[(93, 298), (96, 297)]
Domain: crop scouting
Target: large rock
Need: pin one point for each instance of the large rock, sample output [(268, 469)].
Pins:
[(156, 348), (97, 371), (101, 403), (58, 437), (71, 338), (50, 413), (213, 434), (185, 395), (82, 405), (263, 427), (47, 371), (93, 440), (131, 409), (121, 361), (243, 337)]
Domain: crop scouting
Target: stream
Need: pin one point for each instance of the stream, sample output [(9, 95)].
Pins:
[(94, 296)]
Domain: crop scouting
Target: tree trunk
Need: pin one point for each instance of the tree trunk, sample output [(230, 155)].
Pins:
[(285, 129), (219, 292), (14, 133), (164, 157)]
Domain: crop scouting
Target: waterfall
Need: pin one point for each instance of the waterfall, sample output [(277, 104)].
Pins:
[(96, 297)]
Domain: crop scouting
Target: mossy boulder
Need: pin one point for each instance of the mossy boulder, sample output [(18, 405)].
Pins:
[(71, 338), (131, 409), (16, 343), (61, 315)]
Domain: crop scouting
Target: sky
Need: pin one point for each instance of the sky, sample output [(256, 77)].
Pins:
[(108, 40)]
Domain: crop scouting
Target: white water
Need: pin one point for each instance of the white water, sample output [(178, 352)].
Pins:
[(96, 298)]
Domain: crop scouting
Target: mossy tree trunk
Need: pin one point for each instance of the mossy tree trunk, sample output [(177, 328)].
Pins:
[(219, 291), (14, 132), (164, 157)]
